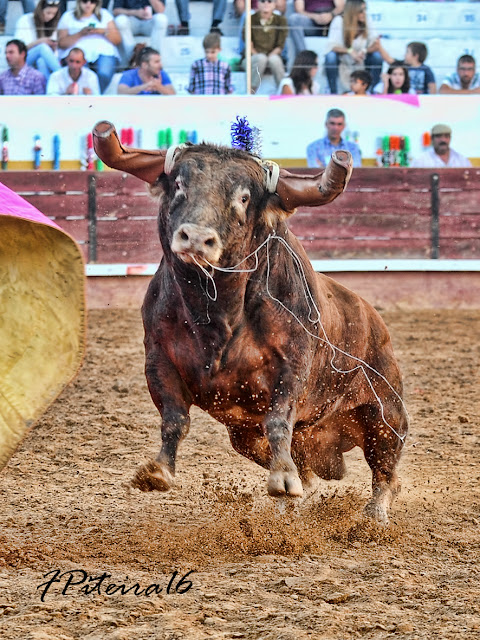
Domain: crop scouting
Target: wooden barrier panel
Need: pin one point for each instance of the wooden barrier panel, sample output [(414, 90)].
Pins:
[(384, 213)]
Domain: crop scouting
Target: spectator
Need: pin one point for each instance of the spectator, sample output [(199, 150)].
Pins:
[(140, 18), (63, 5), (20, 79), (28, 7), (422, 79), (360, 82), (280, 8), (219, 8), (301, 80), (93, 29), (320, 151), (239, 7), (441, 155), (312, 18), (352, 44), (210, 76), (269, 33), (465, 80), (396, 80), (39, 32), (75, 78), (148, 78)]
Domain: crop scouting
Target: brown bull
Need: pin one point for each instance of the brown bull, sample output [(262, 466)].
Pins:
[(297, 367)]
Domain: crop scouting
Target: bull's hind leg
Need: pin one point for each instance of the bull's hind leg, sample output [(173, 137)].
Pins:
[(382, 448), (159, 474)]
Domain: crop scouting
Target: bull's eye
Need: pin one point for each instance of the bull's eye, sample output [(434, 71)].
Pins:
[(178, 186)]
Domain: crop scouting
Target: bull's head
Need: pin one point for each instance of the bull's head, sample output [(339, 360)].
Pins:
[(209, 191)]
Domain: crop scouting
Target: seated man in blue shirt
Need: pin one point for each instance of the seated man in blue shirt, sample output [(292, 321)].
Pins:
[(148, 78), (320, 151)]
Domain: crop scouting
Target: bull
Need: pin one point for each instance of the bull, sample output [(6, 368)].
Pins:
[(297, 367)]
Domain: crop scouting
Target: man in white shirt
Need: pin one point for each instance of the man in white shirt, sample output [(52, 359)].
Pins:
[(75, 78), (441, 155)]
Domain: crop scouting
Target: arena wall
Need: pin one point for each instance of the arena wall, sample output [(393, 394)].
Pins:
[(402, 238)]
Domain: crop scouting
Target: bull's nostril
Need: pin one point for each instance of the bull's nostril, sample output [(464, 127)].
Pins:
[(210, 242), (183, 236)]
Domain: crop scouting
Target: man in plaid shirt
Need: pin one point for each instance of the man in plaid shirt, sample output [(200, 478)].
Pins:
[(20, 79), (210, 76)]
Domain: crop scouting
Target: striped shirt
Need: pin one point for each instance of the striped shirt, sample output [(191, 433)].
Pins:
[(453, 81), (210, 78), (28, 82)]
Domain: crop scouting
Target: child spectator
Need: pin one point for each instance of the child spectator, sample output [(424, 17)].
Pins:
[(396, 80), (269, 33), (360, 81), (421, 76), (209, 75), (301, 80)]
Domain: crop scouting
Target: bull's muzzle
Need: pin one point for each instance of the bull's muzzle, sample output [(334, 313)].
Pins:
[(196, 244)]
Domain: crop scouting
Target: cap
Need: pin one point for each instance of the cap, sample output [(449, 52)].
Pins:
[(438, 129)]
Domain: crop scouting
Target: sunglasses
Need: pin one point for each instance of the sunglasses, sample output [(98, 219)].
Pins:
[(52, 3), (272, 1), (88, 1)]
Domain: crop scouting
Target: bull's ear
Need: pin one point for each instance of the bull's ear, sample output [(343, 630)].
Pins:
[(310, 191), (146, 165)]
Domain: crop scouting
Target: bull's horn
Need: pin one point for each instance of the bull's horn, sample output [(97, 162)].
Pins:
[(146, 165), (310, 191)]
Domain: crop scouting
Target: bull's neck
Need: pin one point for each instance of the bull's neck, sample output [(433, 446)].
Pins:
[(213, 299)]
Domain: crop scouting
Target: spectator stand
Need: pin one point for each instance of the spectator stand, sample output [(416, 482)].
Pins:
[(448, 29)]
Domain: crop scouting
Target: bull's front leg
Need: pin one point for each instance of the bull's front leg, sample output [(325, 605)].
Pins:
[(284, 478), (165, 388)]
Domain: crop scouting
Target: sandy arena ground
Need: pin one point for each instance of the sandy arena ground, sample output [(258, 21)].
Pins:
[(318, 570)]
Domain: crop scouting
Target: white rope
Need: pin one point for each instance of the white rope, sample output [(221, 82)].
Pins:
[(362, 366)]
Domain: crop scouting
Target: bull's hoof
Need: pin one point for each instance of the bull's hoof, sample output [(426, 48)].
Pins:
[(377, 512), (153, 477), (284, 483)]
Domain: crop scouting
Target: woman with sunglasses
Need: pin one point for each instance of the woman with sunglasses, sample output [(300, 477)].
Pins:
[(92, 29), (38, 30)]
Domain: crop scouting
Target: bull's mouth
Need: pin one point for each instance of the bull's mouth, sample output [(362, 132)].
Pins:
[(194, 258)]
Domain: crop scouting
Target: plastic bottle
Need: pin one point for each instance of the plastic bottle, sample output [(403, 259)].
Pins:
[(4, 148), (56, 152), (161, 139), (385, 151), (378, 152)]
